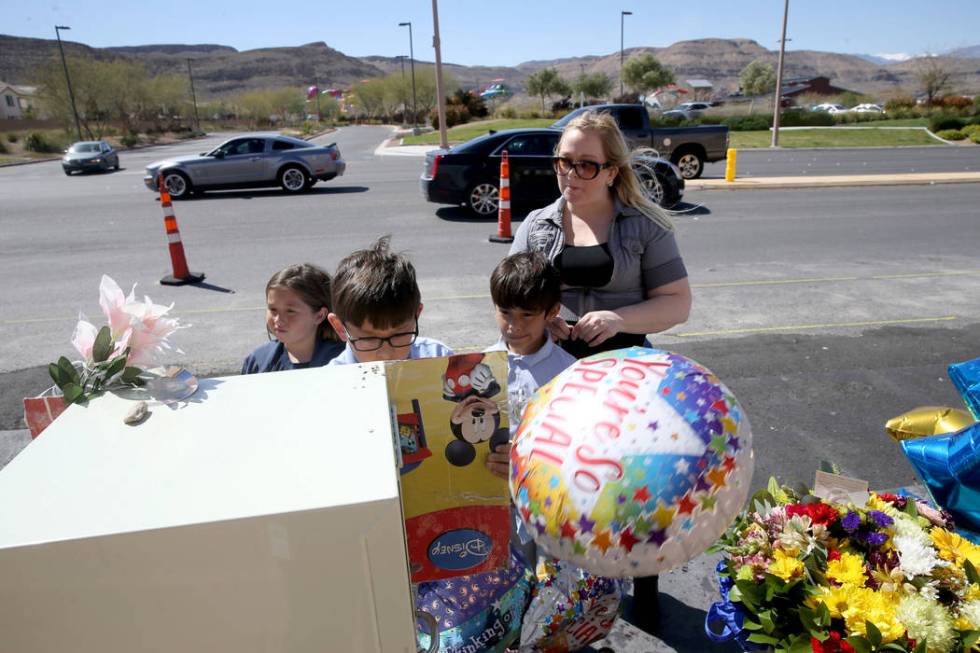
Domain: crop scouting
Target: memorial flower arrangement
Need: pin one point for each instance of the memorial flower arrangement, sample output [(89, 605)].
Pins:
[(800, 574), (136, 336)]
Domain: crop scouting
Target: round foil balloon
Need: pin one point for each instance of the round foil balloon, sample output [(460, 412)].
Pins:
[(631, 462), (927, 421)]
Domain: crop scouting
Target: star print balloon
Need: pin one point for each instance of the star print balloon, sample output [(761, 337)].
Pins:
[(631, 462)]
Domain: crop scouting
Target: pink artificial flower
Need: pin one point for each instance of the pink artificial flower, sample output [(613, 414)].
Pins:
[(113, 304), (84, 336), (150, 332)]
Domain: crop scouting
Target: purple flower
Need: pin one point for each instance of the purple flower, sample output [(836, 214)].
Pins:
[(851, 521), (877, 539), (880, 518)]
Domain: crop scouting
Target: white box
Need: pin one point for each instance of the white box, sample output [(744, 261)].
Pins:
[(262, 515)]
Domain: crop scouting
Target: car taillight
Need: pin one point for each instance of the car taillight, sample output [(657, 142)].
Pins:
[(433, 166), (334, 154)]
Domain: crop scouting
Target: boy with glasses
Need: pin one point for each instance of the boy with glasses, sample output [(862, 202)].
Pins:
[(376, 307)]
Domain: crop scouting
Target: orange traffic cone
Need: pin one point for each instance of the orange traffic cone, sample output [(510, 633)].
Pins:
[(181, 274), (503, 203)]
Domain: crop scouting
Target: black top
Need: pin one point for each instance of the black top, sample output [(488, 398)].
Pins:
[(590, 266), (273, 357)]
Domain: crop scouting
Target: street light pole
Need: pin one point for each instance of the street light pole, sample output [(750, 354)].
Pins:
[(440, 98), (622, 18), (190, 75), (316, 85), (71, 94), (411, 54), (779, 80)]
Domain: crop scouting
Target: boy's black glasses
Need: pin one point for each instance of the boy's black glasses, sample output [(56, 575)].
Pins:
[(373, 343), (583, 169)]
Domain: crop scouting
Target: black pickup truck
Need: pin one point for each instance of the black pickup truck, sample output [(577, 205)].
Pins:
[(689, 148)]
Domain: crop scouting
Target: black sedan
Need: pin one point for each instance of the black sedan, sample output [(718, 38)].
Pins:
[(469, 174)]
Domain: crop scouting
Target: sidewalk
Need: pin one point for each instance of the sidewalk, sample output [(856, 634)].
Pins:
[(914, 178)]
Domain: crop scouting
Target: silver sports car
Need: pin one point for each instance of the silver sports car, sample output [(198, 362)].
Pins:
[(248, 162)]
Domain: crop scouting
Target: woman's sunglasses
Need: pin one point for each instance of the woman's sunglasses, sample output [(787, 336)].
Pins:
[(583, 169)]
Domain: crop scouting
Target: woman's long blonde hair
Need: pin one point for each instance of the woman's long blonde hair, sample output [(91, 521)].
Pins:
[(625, 184)]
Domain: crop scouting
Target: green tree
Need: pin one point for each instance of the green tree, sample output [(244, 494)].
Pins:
[(643, 73), (757, 78), (933, 75), (546, 83), (593, 85)]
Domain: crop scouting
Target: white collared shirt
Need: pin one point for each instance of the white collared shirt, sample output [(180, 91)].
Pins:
[(526, 373)]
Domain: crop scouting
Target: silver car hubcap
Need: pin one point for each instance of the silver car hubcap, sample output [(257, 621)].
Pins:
[(176, 185), (484, 199), (654, 189), (293, 179), (689, 165)]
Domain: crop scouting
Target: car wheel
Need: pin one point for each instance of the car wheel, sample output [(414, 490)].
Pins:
[(67, 172), (116, 165), (177, 184), (691, 163), (483, 199), (653, 187), (293, 179)]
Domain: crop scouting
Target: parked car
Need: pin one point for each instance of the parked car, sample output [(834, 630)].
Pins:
[(687, 110), (867, 108), (830, 108), (469, 173), (689, 148), (249, 162), (85, 156)]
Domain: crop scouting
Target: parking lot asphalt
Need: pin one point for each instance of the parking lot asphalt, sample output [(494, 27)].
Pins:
[(825, 312)]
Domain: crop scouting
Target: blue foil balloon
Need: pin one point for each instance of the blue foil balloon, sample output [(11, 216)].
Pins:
[(949, 465), (966, 378)]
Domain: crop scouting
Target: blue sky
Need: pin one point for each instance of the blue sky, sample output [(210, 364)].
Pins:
[(503, 32)]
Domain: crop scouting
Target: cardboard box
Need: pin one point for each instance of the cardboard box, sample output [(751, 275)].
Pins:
[(261, 515)]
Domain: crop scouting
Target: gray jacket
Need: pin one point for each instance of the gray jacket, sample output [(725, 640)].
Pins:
[(645, 256)]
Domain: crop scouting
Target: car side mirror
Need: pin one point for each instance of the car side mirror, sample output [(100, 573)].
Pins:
[(219, 155)]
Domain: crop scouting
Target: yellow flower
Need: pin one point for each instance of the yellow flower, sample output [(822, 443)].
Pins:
[(744, 573), (849, 570), (835, 598), (877, 607), (954, 548), (877, 503), (785, 566)]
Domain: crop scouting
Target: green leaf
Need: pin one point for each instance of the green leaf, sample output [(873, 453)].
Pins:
[(971, 572), (921, 647), (910, 508), (70, 370), (823, 615), (807, 618), (765, 618), (103, 345), (894, 647), (58, 375), (801, 644), (115, 367), (748, 624), (860, 644), (874, 635), (970, 638), (759, 638), (73, 393)]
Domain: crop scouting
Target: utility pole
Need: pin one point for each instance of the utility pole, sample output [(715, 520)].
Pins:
[(777, 103), (622, 16), (316, 85), (190, 75), (443, 138), (411, 54), (71, 94)]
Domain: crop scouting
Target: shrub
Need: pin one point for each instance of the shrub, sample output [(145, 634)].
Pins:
[(975, 137), (944, 121), (900, 102), (38, 142), (455, 115), (507, 113), (957, 101), (951, 134), (130, 139), (753, 122), (13, 137), (3, 148), (807, 119), (971, 129), (533, 114)]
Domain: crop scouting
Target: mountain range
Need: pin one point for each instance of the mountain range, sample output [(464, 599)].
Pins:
[(222, 70)]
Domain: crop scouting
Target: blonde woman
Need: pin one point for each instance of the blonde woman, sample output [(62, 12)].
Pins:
[(622, 273)]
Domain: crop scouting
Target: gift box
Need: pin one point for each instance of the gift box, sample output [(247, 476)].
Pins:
[(261, 514)]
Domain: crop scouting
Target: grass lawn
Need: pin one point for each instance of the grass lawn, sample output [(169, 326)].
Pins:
[(834, 138), (901, 122), (470, 130)]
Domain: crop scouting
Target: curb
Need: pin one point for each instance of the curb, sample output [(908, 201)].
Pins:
[(769, 183)]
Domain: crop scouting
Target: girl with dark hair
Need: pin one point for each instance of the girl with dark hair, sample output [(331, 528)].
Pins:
[(297, 303)]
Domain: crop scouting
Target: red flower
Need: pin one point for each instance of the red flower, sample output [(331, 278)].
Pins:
[(888, 496), (833, 644), (833, 554), (819, 513)]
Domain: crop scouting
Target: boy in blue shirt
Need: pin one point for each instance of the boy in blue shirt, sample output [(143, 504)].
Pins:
[(526, 292), (376, 307)]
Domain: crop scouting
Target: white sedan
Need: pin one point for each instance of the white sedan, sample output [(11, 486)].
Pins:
[(868, 108)]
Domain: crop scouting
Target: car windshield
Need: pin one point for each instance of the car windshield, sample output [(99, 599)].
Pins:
[(474, 144), (560, 124), (81, 148)]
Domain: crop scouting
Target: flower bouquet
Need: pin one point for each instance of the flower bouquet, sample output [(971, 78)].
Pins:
[(800, 574), (115, 355)]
